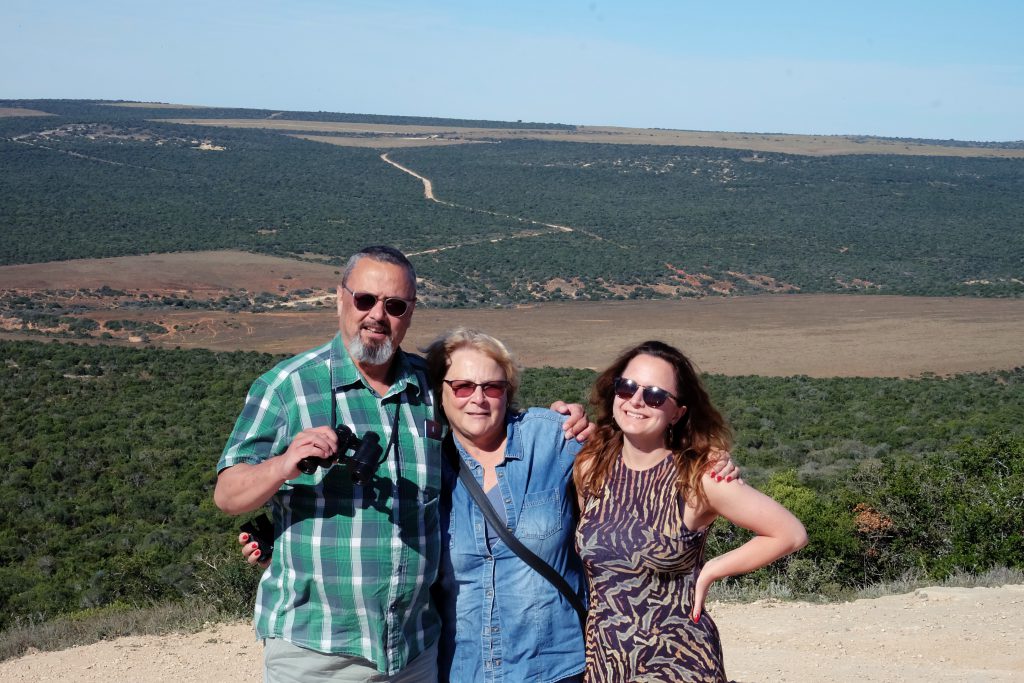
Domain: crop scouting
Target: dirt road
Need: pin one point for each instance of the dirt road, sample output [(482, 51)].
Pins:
[(933, 634)]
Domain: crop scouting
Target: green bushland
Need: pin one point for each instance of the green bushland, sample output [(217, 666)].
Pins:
[(108, 456), (913, 225), (876, 223)]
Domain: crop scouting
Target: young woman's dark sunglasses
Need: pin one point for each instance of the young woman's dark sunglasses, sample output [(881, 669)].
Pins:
[(653, 396), (394, 306), (463, 388)]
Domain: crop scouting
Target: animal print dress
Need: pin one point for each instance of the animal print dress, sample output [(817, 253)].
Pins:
[(641, 563)]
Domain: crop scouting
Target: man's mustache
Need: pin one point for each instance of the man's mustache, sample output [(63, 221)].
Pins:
[(381, 327)]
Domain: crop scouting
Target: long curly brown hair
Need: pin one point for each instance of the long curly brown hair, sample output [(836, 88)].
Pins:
[(692, 439)]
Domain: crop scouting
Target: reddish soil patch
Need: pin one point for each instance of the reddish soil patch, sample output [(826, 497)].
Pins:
[(796, 334), (10, 112), (205, 273)]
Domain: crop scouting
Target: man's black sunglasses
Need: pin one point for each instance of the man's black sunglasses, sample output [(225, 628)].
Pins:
[(394, 306), (653, 396)]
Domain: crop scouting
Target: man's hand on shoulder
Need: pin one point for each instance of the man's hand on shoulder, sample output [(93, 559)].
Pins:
[(577, 426)]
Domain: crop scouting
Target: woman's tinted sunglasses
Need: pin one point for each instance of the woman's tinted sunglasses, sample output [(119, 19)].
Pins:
[(463, 388), (394, 306), (654, 397)]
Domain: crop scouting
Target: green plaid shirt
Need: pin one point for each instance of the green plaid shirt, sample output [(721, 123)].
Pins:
[(352, 565)]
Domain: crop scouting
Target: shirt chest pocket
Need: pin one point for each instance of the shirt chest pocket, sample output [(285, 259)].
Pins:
[(541, 515)]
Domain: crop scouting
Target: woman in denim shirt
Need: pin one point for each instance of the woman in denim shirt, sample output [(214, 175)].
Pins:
[(501, 620)]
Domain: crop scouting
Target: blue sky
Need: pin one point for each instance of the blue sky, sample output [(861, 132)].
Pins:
[(908, 69)]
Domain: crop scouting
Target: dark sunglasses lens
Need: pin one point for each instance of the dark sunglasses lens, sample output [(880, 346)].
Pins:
[(654, 397), (625, 388), (395, 307), (364, 302)]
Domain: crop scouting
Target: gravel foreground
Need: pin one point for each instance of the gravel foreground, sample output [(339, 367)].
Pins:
[(933, 634)]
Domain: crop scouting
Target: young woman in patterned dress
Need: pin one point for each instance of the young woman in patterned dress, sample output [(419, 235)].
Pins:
[(645, 517)]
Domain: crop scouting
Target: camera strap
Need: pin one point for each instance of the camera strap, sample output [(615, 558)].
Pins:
[(500, 527)]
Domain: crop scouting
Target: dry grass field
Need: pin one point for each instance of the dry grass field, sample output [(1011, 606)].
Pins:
[(206, 273), (816, 335), (154, 105), (10, 112), (811, 145), (387, 141)]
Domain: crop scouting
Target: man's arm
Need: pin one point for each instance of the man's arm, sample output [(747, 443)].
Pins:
[(243, 487)]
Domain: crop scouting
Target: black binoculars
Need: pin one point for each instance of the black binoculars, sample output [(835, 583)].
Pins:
[(362, 463)]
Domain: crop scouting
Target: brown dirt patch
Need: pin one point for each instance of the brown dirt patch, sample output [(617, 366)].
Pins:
[(782, 335), (811, 145), (153, 105), (385, 141), (203, 272), (10, 112), (819, 336), (933, 634)]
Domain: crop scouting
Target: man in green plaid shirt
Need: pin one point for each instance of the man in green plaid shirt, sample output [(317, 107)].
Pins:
[(346, 595)]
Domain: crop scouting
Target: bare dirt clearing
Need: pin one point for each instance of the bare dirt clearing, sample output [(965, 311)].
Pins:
[(386, 142), (202, 272), (9, 112), (812, 145), (154, 105), (816, 335), (933, 634)]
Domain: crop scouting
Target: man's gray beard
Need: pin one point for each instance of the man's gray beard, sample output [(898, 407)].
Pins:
[(379, 354)]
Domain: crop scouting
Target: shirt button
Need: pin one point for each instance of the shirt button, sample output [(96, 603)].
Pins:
[(490, 593), (497, 662), (495, 629)]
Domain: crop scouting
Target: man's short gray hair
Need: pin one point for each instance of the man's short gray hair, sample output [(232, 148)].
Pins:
[(380, 254)]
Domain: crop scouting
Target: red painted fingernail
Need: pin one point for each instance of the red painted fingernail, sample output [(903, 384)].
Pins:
[(728, 478), (719, 479), (256, 553), (245, 538), (696, 619), (256, 546)]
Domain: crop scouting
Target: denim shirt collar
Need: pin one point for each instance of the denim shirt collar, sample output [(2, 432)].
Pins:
[(513, 440)]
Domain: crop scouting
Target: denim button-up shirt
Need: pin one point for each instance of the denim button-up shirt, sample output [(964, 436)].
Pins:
[(502, 621)]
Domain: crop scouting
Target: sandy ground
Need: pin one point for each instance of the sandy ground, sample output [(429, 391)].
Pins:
[(933, 634)]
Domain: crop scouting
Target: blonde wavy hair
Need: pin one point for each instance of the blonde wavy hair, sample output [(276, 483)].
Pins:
[(439, 353)]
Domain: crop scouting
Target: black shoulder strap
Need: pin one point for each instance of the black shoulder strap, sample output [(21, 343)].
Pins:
[(514, 544)]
